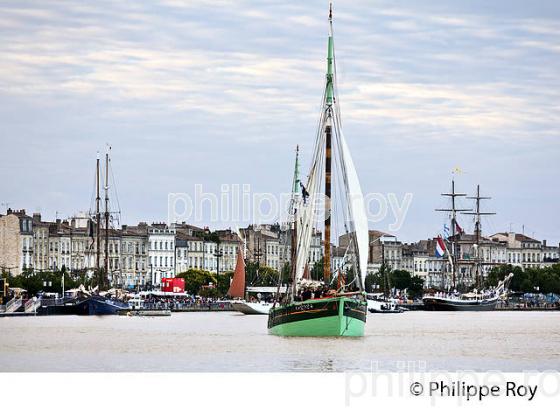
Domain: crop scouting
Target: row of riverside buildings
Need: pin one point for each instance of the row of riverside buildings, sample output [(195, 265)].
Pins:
[(140, 256)]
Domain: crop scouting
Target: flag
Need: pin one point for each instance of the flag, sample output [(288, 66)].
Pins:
[(445, 231), (458, 227), (440, 247)]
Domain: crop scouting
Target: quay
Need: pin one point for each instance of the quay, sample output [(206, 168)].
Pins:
[(191, 307), (529, 308), (40, 307)]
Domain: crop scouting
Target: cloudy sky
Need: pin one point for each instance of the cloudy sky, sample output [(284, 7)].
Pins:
[(220, 92)]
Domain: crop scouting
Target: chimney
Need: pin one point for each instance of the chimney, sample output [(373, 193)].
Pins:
[(36, 217), (544, 243), (123, 227)]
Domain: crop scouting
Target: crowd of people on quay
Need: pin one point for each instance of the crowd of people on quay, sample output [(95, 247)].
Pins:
[(184, 302)]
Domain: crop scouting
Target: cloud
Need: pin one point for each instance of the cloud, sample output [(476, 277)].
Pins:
[(252, 73)]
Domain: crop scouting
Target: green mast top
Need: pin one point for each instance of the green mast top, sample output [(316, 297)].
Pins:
[(295, 187), (330, 61)]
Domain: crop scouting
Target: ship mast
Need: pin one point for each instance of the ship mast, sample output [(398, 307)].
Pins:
[(454, 238), (293, 211), (295, 185), (106, 216), (328, 151), (97, 219), (478, 229)]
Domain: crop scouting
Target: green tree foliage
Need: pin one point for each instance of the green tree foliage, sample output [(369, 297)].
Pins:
[(34, 282), (387, 278), (376, 282), (256, 275), (371, 280), (195, 279), (544, 280), (209, 293), (286, 273), (317, 270), (250, 272), (224, 280), (416, 287), (400, 279), (267, 277)]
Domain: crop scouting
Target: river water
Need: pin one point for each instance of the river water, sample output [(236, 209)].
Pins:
[(229, 341)]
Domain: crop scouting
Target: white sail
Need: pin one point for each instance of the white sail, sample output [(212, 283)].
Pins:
[(358, 223)]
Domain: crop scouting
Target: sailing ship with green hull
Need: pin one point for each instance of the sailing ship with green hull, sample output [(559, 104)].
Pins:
[(342, 310)]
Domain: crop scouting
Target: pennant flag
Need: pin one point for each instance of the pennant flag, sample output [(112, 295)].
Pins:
[(458, 227), (445, 231), (440, 247)]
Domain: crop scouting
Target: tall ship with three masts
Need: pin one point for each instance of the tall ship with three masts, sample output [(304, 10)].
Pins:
[(333, 308), (478, 299)]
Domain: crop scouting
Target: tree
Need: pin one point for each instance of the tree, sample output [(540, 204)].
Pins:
[(256, 275), (317, 271), (416, 287), (546, 280), (223, 282), (267, 277), (400, 279), (208, 292), (286, 273), (48, 281), (251, 272), (371, 280), (195, 279)]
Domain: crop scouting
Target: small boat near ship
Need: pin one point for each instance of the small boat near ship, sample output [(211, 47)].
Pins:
[(251, 308), (147, 313), (377, 303), (239, 291), (137, 307), (341, 311)]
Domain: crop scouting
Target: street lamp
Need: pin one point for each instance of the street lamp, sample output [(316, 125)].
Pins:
[(218, 254)]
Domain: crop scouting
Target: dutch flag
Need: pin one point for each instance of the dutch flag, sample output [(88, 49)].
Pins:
[(440, 247)]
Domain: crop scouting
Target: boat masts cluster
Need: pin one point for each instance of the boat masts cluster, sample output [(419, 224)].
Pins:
[(455, 232)]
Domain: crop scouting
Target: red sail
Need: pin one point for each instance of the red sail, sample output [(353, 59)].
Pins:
[(237, 286)]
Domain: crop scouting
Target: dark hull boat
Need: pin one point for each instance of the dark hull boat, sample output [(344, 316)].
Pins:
[(468, 301), (89, 306), (434, 303)]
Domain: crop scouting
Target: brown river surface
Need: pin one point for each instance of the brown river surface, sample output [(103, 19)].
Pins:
[(229, 341)]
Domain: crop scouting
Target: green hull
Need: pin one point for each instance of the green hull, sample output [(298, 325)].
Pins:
[(339, 316)]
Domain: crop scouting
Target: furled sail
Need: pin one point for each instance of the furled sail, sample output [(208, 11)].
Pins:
[(237, 286), (307, 212)]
